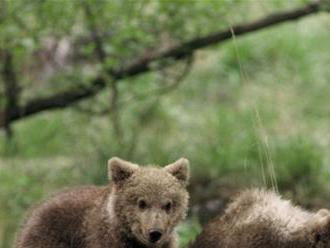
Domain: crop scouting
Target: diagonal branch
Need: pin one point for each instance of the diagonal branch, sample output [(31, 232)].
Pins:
[(185, 49), (69, 97)]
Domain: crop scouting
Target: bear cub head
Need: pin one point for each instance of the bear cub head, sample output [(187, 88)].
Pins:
[(147, 202)]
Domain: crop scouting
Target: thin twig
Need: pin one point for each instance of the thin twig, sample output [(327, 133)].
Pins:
[(11, 90), (96, 37), (114, 96), (165, 89)]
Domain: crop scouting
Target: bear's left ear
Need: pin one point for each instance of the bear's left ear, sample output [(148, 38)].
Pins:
[(119, 170), (180, 170)]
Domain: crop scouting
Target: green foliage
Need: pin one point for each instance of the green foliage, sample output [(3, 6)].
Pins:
[(188, 231), (302, 164)]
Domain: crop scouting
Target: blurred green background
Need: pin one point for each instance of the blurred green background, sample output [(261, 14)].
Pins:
[(251, 111)]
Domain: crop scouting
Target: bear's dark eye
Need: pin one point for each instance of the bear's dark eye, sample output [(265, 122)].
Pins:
[(168, 206), (142, 204)]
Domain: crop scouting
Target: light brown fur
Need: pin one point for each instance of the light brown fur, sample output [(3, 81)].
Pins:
[(139, 210), (261, 219)]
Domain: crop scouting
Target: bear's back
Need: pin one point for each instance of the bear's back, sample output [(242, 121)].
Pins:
[(59, 221), (256, 218)]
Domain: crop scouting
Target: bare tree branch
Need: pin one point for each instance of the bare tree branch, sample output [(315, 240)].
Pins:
[(59, 100), (69, 97)]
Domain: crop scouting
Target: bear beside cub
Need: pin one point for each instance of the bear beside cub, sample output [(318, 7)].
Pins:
[(140, 209), (262, 219)]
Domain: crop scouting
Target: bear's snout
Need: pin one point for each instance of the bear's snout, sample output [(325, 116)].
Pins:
[(155, 235)]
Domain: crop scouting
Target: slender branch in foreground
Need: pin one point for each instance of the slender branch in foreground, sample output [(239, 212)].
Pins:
[(142, 65)]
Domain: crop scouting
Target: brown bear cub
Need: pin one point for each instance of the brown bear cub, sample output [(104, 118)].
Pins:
[(261, 219), (140, 209)]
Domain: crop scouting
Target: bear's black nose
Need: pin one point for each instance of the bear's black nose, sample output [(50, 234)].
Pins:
[(155, 235)]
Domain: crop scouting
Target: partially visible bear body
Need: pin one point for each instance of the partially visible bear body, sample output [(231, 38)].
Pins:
[(140, 209), (261, 219)]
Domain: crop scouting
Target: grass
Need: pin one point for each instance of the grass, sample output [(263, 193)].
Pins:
[(250, 124)]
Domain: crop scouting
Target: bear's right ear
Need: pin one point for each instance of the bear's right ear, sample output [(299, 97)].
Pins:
[(321, 225), (119, 170), (180, 170)]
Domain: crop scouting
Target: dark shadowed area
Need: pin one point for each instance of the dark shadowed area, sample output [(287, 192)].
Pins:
[(240, 88)]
